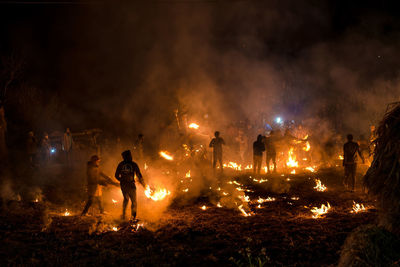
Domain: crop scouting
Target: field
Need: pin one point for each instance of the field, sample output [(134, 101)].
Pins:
[(279, 232)]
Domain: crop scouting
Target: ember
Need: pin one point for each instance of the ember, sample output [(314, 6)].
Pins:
[(319, 186), (358, 208), (166, 155), (66, 213), (156, 195), (193, 126)]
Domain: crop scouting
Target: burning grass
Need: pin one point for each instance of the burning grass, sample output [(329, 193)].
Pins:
[(206, 231)]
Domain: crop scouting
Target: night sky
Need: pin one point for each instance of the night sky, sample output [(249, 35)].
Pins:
[(120, 64)]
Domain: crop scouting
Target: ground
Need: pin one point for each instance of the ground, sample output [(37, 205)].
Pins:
[(280, 233)]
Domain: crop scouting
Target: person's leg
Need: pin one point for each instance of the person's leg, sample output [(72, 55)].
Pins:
[(88, 204), (214, 161), (346, 176), (220, 162), (353, 176), (132, 196), (254, 164), (268, 160), (259, 159), (274, 161), (125, 202), (100, 203)]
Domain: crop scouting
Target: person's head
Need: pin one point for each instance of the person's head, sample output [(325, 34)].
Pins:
[(216, 134), (126, 155), (68, 130), (350, 137), (259, 138), (95, 160)]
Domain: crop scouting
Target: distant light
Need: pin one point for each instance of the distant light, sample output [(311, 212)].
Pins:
[(52, 150), (278, 120)]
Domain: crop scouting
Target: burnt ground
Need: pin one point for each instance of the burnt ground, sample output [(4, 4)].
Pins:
[(281, 233)]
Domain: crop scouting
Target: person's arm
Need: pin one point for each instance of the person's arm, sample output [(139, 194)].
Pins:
[(211, 143), (139, 176), (360, 154), (118, 172), (108, 179)]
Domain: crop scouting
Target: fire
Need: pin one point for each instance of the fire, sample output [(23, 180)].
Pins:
[(157, 194), (245, 214), (245, 198), (187, 174), (186, 190), (66, 213), (36, 200), (317, 212), (291, 162), (194, 126), (233, 165), (293, 172), (166, 155), (358, 208), (248, 167), (115, 229), (341, 157), (219, 205), (262, 200), (203, 207), (114, 201), (311, 169), (260, 181), (145, 166), (319, 186), (307, 147)]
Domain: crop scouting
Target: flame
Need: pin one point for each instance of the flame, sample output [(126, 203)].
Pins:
[(166, 155), (291, 162), (245, 214), (115, 228), (317, 212), (293, 172), (307, 147), (311, 169), (145, 166), (248, 167), (262, 200), (219, 205), (66, 213), (259, 206), (187, 175), (260, 181), (245, 198), (186, 190), (194, 126), (203, 207), (294, 198), (319, 186), (233, 165), (341, 157), (358, 207), (114, 201), (36, 200), (157, 194)]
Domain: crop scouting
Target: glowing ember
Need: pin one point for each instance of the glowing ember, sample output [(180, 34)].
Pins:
[(260, 181), (166, 155), (293, 172), (145, 166), (194, 126), (288, 179), (259, 206), (36, 200), (358, 208), (233, 165), (341, 157), (219, 205), (225, 193), (203, 207), (307, 147), (115, 229), (319, 186), (311, 169), (291, 162), (262, 200), (66, 213), (294, 198), (248, 167), (187, 174), (186, 190), (114, 201), (318, 212), (245, 214), (157, 194)]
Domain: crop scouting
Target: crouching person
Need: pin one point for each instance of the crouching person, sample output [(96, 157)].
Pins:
[(125, 174), (95, 178)]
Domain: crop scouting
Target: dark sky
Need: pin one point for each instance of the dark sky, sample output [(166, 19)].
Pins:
[(126, 63)]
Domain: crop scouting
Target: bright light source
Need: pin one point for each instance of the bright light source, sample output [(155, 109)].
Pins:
[(278, 120), (52, 150)]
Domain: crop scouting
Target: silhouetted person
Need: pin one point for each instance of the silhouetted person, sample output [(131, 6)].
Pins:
[(31, 147), (270, 147), (95, 178), (125, 174), (258, 149), (216, 143), (67, 143), (45, 148), (350, 150)]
